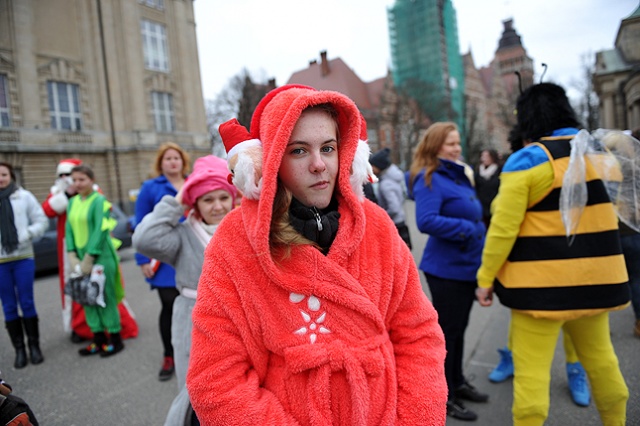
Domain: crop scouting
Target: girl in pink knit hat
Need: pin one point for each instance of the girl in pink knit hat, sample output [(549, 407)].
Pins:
[(208, 196)]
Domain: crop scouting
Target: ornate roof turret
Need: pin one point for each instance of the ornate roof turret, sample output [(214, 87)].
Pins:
[(510, 37)]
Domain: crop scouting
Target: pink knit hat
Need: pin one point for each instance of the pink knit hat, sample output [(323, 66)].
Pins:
[(209, 173)]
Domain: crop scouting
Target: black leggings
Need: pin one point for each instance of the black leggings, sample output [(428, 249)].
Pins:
[(453, 301), (167, 297)]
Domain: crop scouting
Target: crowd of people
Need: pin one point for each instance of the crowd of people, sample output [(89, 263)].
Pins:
[(303, 303)]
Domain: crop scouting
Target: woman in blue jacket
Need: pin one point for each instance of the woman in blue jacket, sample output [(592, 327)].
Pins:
[(448, 209), (171, 167)]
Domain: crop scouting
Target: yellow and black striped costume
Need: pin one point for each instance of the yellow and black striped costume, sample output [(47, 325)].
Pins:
[(546, 276)]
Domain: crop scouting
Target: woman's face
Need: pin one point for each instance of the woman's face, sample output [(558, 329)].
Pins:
[(82, 183), (5, 177), (485, 158), (309, 167), (451, 149), (214, 205), (171, 162)]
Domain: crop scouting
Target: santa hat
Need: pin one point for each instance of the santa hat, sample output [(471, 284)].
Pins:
[(65, 166), (209, 174), (361, 171), (236, 137), (363, 152)]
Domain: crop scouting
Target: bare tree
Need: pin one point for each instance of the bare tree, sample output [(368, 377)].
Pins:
[(476, 134), (430, 100), (411, 122), (586, 104), (237, 99), (402, 122)]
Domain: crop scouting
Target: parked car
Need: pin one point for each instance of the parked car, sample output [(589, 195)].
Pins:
[(45, 247)]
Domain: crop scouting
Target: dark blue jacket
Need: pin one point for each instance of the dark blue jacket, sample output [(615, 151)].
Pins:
[(450, 212), (150, 194)]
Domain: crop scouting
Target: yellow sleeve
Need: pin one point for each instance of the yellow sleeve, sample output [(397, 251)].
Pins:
[(518, 190)]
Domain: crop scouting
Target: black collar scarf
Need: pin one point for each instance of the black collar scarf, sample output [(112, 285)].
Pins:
[(317, 225), (8, 232)]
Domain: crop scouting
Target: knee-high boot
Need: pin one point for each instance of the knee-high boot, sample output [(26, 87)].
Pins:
[(33, 338), (17, 340)]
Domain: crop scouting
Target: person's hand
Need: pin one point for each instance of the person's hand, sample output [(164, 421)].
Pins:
[(178, 196), (74, 262), (147, 270), (71, 190), (61, 184), (87, 264), (484, 296)]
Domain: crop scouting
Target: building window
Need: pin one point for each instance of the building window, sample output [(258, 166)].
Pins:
[(163, 112), (64, 106), (4, 102), (157, 4), (154, 44)]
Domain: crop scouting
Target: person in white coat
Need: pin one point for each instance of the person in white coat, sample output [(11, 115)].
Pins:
[(21, 220)]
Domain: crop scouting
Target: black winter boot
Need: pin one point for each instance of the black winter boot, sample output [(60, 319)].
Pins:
[(17, 340), (115, 345), (99, 340), (33, 338)]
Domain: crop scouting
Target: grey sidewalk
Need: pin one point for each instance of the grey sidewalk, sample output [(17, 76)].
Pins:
[(69, 390)]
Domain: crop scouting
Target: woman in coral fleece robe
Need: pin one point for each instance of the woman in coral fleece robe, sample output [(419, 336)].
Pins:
[(309, 307)]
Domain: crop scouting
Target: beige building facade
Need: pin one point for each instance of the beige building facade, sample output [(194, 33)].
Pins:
[(106, 81), (616, 79)]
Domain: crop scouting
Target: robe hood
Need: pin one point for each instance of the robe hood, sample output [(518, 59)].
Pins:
[(273, 122)]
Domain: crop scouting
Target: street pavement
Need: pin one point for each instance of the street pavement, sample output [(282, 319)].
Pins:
[(71, 390)]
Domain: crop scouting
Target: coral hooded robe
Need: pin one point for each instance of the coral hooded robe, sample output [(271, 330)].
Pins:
[(343, 339)]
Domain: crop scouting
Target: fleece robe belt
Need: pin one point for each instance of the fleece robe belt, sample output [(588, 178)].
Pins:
[(323, 359)]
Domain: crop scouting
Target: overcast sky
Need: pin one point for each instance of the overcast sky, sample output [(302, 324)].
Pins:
[(279, 37)]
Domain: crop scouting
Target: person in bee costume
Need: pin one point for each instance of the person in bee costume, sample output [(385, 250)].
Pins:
[(548, 280)]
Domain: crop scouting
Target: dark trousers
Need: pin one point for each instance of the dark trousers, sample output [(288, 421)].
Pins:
[(167, 297), (453, 300)]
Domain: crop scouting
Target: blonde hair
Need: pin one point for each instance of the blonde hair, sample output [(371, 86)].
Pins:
[(186, 161), (283, 235), (426, 153)]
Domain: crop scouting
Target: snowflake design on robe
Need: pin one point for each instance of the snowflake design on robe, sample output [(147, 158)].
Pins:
[(313, 325)]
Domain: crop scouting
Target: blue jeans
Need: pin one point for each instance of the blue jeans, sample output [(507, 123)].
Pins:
[(631, 251), (16, 287)]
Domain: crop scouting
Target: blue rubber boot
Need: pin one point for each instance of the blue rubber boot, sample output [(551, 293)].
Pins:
[(578, 384), (504, 369)]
